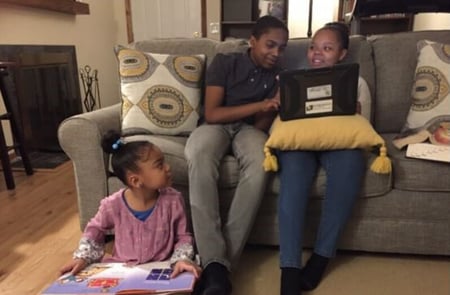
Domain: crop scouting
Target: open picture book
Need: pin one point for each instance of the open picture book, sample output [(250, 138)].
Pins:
[(120, 278)]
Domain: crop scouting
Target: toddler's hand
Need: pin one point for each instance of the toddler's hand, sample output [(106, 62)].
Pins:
[(186, 265), (74, 266)]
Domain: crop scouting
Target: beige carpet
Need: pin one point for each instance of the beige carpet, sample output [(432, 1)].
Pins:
[(350, 273)]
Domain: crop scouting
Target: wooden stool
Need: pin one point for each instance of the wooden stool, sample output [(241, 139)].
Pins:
[(18, 145)]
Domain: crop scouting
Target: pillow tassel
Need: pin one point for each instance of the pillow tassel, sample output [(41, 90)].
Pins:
[(270, 161), (382, 164)]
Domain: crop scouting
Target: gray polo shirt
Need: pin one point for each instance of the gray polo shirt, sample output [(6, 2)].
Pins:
[(242, 80)]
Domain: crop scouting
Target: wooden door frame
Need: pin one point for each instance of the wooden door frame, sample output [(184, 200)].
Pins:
[(203, 16), (129, 19)]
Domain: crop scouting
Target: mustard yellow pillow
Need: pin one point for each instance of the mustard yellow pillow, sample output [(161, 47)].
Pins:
[(325, 133)]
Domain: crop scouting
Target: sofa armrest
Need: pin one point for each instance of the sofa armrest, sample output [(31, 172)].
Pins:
[(80, 137)]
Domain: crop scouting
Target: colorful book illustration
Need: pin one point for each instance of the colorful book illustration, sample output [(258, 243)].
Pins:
[(123, 279)]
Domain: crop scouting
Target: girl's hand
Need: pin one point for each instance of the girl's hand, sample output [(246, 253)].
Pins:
[(73, 266), (186, 265)]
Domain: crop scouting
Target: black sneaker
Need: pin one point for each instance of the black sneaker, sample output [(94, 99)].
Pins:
[(198, 287), (313, 271), (215, 280)]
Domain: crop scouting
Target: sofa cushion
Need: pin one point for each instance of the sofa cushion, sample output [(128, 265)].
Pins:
[(173, 148), (191, 46), (161, 93), (395, 57), (430, 95), (232, 45), (417, 174), (179, 46)]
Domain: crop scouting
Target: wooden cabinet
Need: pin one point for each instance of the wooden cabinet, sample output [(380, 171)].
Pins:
[(382, 24), (46, 92), (239, 16)]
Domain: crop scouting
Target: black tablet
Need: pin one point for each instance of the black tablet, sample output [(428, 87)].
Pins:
[(329, 91)]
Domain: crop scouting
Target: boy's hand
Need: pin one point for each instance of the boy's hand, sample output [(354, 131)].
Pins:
[(73, 266), (270, 104), (186, 265), (277, 96)]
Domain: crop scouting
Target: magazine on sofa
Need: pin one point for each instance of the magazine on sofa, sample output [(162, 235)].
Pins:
[(122, 279)]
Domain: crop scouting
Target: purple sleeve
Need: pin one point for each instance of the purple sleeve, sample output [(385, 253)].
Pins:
[(183, 248), (102, 222)]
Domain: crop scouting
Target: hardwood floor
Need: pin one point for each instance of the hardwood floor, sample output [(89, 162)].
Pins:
[(39, 230)]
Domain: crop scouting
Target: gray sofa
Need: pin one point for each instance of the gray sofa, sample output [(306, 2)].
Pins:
[(405, 212)]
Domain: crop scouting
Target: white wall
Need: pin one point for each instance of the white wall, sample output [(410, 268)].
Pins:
[(93, 35), (298, 14), (213, 19), (431, 21), (166, 19)]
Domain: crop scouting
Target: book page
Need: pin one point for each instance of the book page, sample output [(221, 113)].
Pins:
[(112, 278), (428, 151)]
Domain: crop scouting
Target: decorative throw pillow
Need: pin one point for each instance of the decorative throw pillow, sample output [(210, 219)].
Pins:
[(324, 133), (429, 115), (161, 93)]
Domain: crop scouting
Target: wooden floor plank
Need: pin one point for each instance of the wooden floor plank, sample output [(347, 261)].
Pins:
[(39, 229)]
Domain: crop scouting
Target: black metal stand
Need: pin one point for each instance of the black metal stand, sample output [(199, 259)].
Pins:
[(90, 88)]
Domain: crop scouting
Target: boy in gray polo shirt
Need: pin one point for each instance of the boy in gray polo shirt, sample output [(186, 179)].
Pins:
[(241, 101)]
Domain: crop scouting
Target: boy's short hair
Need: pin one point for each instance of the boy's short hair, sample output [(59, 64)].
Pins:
[(267, 22)]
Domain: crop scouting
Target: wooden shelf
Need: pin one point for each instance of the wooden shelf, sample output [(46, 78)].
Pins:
[(385, 19), (239, 16), (381, 25), (238, 22), (64, 6)]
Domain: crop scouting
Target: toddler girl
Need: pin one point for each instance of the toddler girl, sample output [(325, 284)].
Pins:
[(147, 216)]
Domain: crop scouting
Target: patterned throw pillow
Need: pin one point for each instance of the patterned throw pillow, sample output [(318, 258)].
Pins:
[(161, 93), (429, 115)]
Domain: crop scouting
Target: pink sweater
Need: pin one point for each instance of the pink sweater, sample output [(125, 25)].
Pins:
[(162, 235)]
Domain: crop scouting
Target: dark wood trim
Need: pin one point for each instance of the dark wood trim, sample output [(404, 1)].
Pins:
[(129, 18), (203, 15), (46, 75), (64, 6), (344, 8), (340, 11)]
